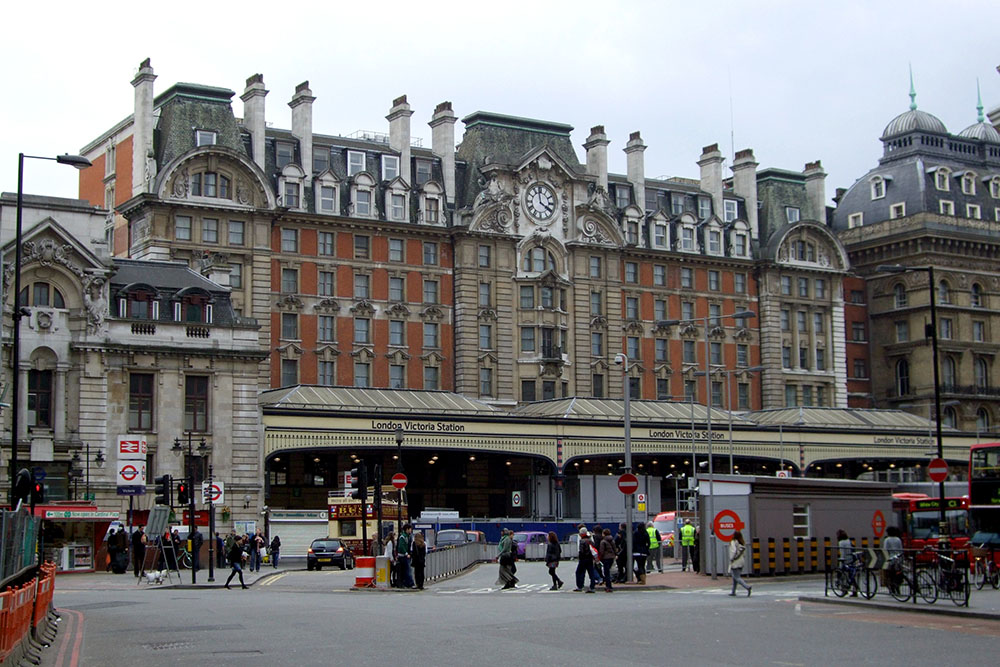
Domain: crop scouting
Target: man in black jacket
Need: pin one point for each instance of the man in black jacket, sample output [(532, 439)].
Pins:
[(585, 563), (138, 551)]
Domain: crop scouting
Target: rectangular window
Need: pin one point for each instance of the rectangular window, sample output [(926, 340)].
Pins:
[(432, 208), (791, 214), (397, 207), (423, 171), (687, 238), (946, 207), (209, 230), (690, 389), (182, 228), (623, 195), (661, 349), (355, 162), (397, 376), (596, 304), (595, 267), (484, 295), (740, 245), (819, 286), (324, 245), (485, 337), (325, 283), (362, 374), (236, 276), (430, 291), (740, 283), (743, 396), (321, 159), (527, 390), (807, 395), (660, 236), (430, 253), (597, 385), (704, 207), (858, 332), (324, 330), (973, 211), (786, 322), (431, 335), (714, 282), (820, 359), (527, 339), (676, 204), (362, 330), (196, 403), (786, 357), (236, 228), (290, 326), (361, 249), (742, 355), (859, 368), (945, 328), (527, 296), (717, 393), (631, 308), (897, 210), (289, 372), (660, 309), (791, 395), (361, 286), (325, 373), (291, 199), (432, 378), (803, 287), (396, 250), (730, 210), (635, 387), (804, 358), (484, 256), (289, 281), (596, 344), (687, 277), (485, 381), (631, 272), (714, 242), (786, 285), (632, 347), (140, 402), (284, 154), (689, 352), (659, 275), (687, 310), (289, 240), (662, 389), (857, 296), (715, 353), (855, 220), (390, 167), (902, 332), (363, 202), (396, 332), (978, 331)]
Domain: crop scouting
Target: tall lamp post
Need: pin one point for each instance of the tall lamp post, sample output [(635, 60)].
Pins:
[(739, 315), (623, 361), (98, 461), (17, 310), (399, 468), (203, 450), (729, 405), (931, 287)]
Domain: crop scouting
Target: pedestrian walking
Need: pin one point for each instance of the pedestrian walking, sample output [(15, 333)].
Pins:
[(687, 543), (505, 558), (390, 554), (220, 551), (640, 549), (607, 554), (621, 549), (585, 562), (655, 549), (197, 540), (696, 550), (235, 556), (596, 536), (737, 561), (403, 545), (553, 554), (275, 551), (418, 556)]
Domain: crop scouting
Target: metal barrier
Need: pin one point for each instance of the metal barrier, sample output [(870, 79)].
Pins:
[(18, 534), (535, 551), (448, 561)]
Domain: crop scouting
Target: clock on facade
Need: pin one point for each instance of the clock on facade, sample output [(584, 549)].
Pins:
[(540, 201)]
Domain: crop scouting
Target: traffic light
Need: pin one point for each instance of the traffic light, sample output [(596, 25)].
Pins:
[(162, 489), (182, 493), (359, 482), (37, 493)]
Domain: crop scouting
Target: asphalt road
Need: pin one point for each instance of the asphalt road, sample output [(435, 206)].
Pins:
[(312, 618)]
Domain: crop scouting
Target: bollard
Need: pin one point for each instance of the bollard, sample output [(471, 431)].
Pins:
[(786, 555), (813, 554), (827, 555), (800, 552), (771, 563), (364, 572), (755, 553)]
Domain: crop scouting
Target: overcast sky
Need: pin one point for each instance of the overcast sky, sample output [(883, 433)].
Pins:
[(794, 81)]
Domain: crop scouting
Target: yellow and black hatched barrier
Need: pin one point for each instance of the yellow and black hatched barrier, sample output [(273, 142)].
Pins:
[(864, 542), (813, 554), (755, 553), (827, 555), (800, 553), (771, 563), (786, 555)]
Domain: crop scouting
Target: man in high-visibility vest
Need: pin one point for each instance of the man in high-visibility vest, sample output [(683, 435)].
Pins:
[(654, 548), (687, 544)]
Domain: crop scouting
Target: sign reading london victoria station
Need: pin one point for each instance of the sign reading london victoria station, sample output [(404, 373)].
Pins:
[(418, 427)]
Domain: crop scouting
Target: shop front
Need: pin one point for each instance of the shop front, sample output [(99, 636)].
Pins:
[(73, 536)]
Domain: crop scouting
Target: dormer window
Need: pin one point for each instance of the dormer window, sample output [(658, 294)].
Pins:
[(363, 203), (363, 196), (878, 187), (423, 171), (396, 201), (968, 183), (792, 214), (941, 179), (431, 204), (676, 203), (193, 308), (291, 195), (623, 196), (897, 210), (327, 194), (714, 242), (704, 207), (660, 235), (687, 238), (139, 305), (995, 187), (284, 153), (204, 138), (855, 220), (290, 186), (730, 209), (740, 245), (210, 184), (355, 162), (390, 167), (632, 232)]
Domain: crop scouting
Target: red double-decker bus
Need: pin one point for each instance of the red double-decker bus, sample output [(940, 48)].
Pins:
[(984, 493), (919, 518)]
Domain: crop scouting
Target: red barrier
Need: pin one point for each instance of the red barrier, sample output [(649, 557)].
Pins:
[(46, 588), (6, 607)]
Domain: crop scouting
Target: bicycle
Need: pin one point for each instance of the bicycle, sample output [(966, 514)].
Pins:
[(845, 579), (986, 568), (904, 582), (952, 580)]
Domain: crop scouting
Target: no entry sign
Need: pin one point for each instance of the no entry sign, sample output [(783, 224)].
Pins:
[(725, 524), (399, 481), (628, 484), (938, 470)]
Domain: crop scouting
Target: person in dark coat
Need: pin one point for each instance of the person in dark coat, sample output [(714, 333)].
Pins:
[(621, 547), (275, 551), (640, 549), (220, 551), (585, 562), (553, 554), (138, 550), (607, 554), (418, 558), (235, 556), (196, 541)]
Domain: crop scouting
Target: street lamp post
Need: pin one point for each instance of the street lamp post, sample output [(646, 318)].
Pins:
[(79, 162), (399, 468), (729, 400), (203, 450), (623, 361), (739, 315), (932, 287), (211, 524)]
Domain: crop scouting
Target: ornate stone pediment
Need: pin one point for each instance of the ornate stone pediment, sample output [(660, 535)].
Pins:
[(397, 310), (599, 322), (289, 351), (663, 370), (397, 356), (434, 357), (363, 354), (633, 326), (327, 305), (488, 314), (363, 308), (432, 313), (290, 302)]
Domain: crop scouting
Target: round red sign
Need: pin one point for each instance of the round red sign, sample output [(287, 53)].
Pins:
[(628, 484), (129, 472), (214, 493), (938, 470), (726, 523), (878, 523), (399, 480)]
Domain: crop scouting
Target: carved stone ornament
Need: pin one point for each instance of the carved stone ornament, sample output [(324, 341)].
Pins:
[(43, 320), (397, 310), (96, 303), (551, 369), (180, 189), (599, 322), (488, 314), (717, 332), (661, 329), (290, 302), (327, 305), (689, 331), (363, 353), (397, 356), (492, 208), (432, 313), (207, 259), (600, 201), (742, 334), (633, 326), (663, 371), (593, 233), (364, 308), (244, 194)]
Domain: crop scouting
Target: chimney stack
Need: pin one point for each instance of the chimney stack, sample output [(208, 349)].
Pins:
[(636, 168), (399, 134), (302, 125), (443, 144), (142, 125), (815, 191), (253, 115), (711, 176), (745, 185), (597, 155)]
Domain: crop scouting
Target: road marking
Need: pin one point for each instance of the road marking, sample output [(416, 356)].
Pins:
[(274, 579)]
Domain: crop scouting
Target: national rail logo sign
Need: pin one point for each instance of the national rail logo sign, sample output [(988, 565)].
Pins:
[(132, 448)]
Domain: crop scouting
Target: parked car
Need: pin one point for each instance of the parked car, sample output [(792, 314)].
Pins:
[(450, 537), (329, 551), (475, 536), (523, 538)]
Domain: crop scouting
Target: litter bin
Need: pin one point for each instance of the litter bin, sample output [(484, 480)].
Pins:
[(381, 572)]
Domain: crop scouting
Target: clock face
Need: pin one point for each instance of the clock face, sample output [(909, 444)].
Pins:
[(540, 201)]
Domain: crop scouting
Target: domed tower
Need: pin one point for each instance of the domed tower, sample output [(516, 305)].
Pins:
[(899, 134), (981, 130)]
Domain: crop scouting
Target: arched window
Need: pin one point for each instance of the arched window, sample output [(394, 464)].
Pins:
[(982, 373), (949, 418), (210, 184), (900, 295), (902, 377), (537, 260), (947, 373), (976, 296), (878, 187), (42, 294), (944, 292), (982, 420)]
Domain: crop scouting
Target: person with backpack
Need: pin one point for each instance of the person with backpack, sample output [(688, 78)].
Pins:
[(585, 562)]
